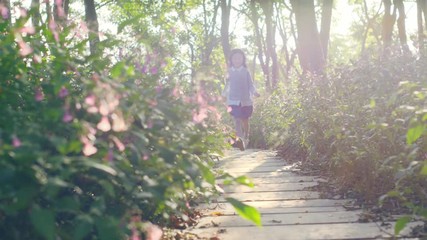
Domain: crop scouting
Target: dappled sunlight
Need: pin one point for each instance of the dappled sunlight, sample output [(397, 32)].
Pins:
[(118, 117)]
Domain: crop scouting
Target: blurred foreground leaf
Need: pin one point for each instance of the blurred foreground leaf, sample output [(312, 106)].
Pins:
[(246, 211)]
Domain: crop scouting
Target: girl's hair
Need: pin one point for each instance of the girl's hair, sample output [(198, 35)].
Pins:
[(237, 51)]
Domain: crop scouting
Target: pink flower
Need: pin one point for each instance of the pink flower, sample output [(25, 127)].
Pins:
[(198, 117), (144, 69), (90, 100), (39, 95), (63, 92), (52, 26), (23, 12), (104, 125), (175, 92), (24, 48), (119, 144), (159, 88), (4, 11), (37, 58), (92, 110), (89, 149), (119, 124), (135, 235), (28, 30), (154, 232), (104, 108), (16, 142), (67, 117), (154, 70), (145, 157)]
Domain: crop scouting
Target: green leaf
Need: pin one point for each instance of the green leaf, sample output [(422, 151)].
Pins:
[(424, 170), (101, 167), (43, 221), (401, 224), (117, 69), (108, 228), (414, 133), (245, 181), (83, 226), (372, 103), (207, 174), (246, 211), (108, 187)]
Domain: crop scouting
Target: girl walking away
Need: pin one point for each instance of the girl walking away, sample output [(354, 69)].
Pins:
[(239, 91)]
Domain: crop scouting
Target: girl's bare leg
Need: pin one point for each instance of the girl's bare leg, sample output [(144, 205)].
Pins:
[(239, 128), (245, 125)]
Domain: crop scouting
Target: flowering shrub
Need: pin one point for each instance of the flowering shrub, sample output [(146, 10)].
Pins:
[(85, 142)]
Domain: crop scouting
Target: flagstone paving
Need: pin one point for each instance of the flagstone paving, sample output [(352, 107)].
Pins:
[(289, 209)]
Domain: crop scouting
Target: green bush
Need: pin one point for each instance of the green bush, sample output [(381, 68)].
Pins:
[(85, 142), (354, 124)]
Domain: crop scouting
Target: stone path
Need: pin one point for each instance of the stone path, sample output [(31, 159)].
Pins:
[(289, 210)]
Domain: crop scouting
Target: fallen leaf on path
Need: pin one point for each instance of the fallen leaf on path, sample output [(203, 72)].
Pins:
[(216, 213)]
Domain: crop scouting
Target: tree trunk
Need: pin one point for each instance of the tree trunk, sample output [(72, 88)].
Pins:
[(225, 26), (308, 46), (387, 26), (92, 23), (258, 41), (421, 10), (66, 8), (366, 30), (36, 17), (60, 10), (401, 25), (209, 33), (48, 12), (326, 26), (267, 8), (284, 50)]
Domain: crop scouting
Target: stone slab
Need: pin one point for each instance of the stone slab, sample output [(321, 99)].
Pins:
[(268, 196), (260, 205), (304, 232), (271, 187), (281, 219), (229, 210)]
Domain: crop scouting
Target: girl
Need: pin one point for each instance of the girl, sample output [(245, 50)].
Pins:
[(239, 90)]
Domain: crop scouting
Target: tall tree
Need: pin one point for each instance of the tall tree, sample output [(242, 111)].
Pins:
[(285, 51), (401, 26), (421, 11), (36, 17), (387, 25), (270, 42), (254, 17), (210, 38), (390, 16), (309, 47), (225, 26), (60, 10), (325, 25), (93, 26)]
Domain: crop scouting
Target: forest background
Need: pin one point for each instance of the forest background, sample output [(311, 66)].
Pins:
[(110, 110)]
